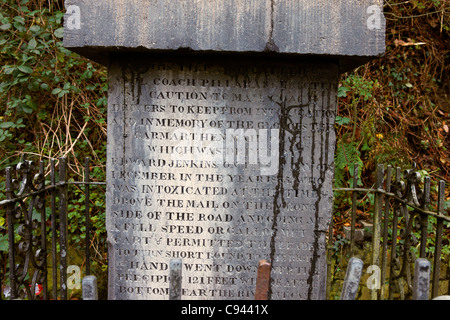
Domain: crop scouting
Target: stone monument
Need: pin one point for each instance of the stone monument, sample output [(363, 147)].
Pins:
[(221, 137)]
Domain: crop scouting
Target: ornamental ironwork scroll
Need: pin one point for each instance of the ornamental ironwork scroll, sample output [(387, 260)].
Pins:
[(411, 203), (401, 255), (404, 229), (26, 230), (36, 211)]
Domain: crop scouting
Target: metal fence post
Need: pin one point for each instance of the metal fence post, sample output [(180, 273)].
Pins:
[(393, 258), (438, 244), (354, 200), (10, 219), (63, 226), (385, 232), (41, 207), (424, 217), (377, 222), (87, 216), (53, 228)]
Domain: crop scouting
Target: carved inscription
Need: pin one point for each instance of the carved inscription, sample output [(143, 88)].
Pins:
[(221, 165)]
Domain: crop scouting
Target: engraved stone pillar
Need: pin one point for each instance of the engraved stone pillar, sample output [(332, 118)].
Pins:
[(221, 137)]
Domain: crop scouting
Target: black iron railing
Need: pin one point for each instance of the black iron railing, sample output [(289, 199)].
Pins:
[(29, 225), (401, 199)]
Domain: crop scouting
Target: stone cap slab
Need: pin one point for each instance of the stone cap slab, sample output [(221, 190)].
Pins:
[(352, 31)]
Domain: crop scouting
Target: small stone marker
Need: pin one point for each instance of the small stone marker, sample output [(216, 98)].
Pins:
[(445, 297), (221, 137), (421, 285), (263, 281), (89, 288), (352, 278), (175, 279)]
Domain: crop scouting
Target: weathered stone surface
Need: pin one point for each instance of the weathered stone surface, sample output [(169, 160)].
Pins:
[(352, 278), (359, 233), (173, 191), (421, 285), (89, 287), (351, 31)]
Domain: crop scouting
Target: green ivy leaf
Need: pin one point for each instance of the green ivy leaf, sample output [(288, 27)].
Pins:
[(19, 20), (6, 125), (56, 90), (60, 57), (9, 69), (4, 242), (25, 69), (342, 120), (59, 33), (35, 28), (342, 92), (5, 26), (29, 105), (32, 44)]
